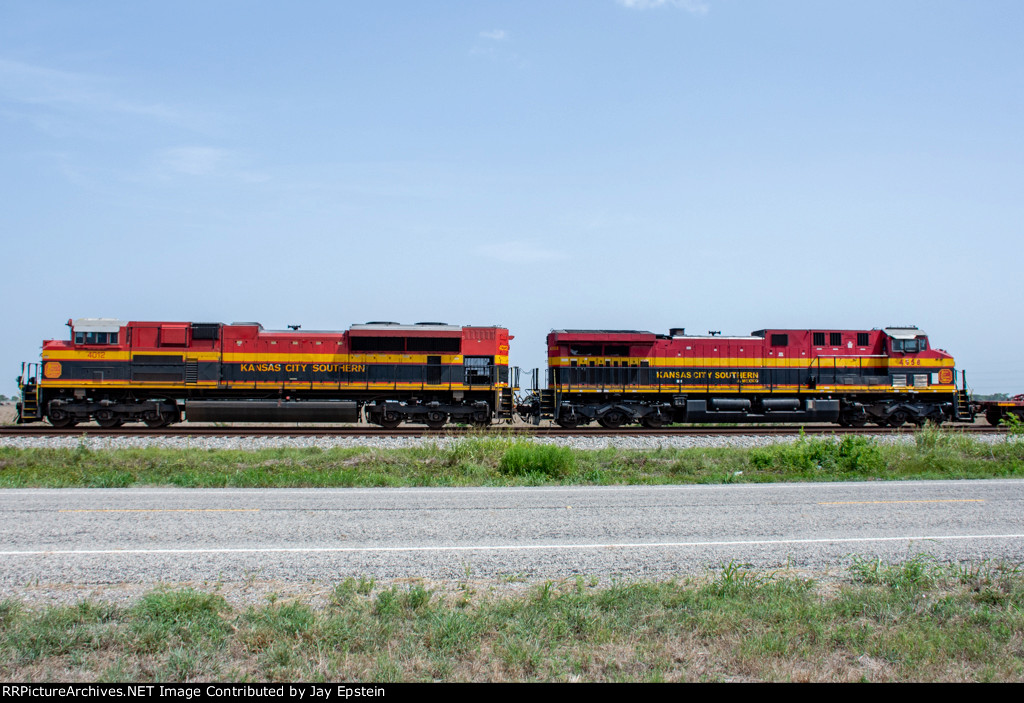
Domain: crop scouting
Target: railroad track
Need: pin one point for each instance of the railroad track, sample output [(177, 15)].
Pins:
[(496, 430)]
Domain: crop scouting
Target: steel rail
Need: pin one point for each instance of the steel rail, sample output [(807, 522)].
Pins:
[(494, 430)]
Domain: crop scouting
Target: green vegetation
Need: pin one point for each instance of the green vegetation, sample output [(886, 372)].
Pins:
[(991, 396), (511, 461), (914, 621)]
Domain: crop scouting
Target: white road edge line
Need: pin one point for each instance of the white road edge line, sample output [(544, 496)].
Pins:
[(501, 548)]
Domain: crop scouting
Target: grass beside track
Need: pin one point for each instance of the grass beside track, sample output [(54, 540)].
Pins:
[(510, 461), (914, 621)]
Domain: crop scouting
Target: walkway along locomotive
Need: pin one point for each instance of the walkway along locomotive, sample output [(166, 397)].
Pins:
[(852, 377), (113, 372)]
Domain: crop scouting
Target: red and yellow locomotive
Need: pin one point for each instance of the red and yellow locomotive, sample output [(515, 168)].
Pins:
[(114, 372), (886, 376)]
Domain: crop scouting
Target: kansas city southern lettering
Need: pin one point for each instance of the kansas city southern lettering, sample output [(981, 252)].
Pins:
[(303, 368), (708, 376)]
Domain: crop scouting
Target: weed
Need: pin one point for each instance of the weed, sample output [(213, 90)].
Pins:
[(417, 597), (291, 619), (911, 575), (547, 460), (849, 455), (1013, 423), (182, 664), (9, 610), (387, 603), (343, 593), (366, 585), (60, 631), (165, 619), (452, 632), (735, 578)]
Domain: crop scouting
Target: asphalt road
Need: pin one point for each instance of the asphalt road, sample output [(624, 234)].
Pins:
[(99, 536)]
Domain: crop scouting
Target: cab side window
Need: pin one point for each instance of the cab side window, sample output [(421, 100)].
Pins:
[(907, 346), (95, 337)]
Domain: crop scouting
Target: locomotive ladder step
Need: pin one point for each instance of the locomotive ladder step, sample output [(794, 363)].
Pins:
[(29, 393), (962, 406), (547, 402), (30, 408), (505, 403)]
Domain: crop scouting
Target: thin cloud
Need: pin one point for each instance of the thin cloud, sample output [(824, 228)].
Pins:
[(496, 35), (39, 86), (695, 7), (25, 83), (193, 160), (205, 161)]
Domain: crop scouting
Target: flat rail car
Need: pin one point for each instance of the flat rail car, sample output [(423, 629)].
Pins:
[(997, 411), (159, 373), (884, 376)]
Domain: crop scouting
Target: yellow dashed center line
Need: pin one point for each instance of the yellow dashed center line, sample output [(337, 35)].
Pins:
[(880, 502), (163, 510)]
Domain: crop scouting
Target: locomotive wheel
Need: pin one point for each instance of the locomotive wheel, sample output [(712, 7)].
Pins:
[(61, 419), (653, 422), (389, 421), (159, 421), (568, 422), (612, 419), (109, 422), (994, 417), (436, 419), (897, 419), (858, 421)]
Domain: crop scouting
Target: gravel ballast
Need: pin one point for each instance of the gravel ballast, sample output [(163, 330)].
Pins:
[(256, 443)]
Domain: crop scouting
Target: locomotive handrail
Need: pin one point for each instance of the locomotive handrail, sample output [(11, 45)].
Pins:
[(816, 362)]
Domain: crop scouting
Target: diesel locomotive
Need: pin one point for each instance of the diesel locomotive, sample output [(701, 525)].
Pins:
[(159, 373), (111, 372), (851, 377)]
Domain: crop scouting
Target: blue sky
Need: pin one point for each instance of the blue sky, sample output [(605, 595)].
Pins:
[(709, 164)]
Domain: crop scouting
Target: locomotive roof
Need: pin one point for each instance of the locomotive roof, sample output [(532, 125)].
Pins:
[(396, 327), (904, 332), (602, 332), (742, 338), (98, 324)]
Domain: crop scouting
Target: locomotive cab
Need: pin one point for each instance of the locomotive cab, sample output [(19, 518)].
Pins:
[(101, 332), (905, 340)]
